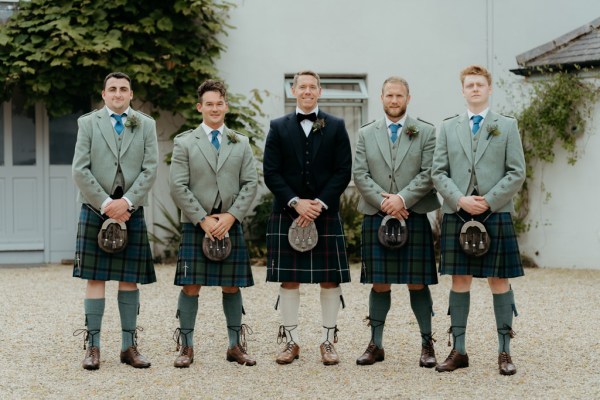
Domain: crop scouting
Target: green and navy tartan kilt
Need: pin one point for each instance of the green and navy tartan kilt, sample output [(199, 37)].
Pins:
[(193, 268), (503, 260), (133, 264), (412, 263), (327, 262)]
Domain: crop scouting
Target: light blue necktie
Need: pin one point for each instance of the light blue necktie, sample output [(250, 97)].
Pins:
[(119, 125), (476, 121), (394, 129), (215, 139)]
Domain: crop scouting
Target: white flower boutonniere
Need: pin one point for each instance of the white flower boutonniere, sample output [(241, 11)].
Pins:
[(318, 125), (412, 131), (492, 130), (132, 121)]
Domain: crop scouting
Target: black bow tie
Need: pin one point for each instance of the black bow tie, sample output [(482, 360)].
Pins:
[(302, 117)]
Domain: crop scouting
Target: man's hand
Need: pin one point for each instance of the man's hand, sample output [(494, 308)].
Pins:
[(309, 210), (207, 225), (224, 222), (394, 205), (118, 210), (474, 205)]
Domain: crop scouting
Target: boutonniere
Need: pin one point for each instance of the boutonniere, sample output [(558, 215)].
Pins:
[(318, 124), (232, 138), (412, 131), (132, 121), (492, 130)]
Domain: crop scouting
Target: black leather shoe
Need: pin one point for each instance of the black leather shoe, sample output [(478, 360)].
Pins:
[(427, 359)]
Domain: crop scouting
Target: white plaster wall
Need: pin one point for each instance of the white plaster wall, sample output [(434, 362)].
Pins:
[(427, 42)]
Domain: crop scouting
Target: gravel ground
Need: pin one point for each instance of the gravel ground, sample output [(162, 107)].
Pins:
[(556, 350)]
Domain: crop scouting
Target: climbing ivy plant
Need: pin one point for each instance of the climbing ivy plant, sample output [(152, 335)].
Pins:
[(559, 108), (58, 53)]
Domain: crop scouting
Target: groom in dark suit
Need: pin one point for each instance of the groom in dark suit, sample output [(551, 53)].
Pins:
[(307, 166)]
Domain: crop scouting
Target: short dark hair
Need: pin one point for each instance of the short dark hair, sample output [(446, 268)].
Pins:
[(307, 72), (117, 75), (212, 85)]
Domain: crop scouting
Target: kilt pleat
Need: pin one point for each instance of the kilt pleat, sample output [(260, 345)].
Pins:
[(413, 263), (503, 260), (327, 262), (133, 264), (193, 268)]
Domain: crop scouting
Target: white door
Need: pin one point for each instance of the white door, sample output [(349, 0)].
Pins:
[(22, 222), (63, 208)]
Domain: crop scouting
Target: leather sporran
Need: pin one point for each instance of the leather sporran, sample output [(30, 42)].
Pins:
[(392, 232), (474, 239), (216, 250), (112, 237), (303, 239)]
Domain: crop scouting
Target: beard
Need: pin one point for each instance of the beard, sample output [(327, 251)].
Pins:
[(394, 113)]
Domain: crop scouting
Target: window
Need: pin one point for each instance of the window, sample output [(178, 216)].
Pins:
[(7, 8), (23, 132), (342, 96), (63, 135)]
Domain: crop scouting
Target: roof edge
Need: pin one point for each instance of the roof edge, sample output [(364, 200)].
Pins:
[(527, 56)]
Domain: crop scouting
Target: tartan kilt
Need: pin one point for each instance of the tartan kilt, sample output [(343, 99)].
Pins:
[(412, 263), (193, 268), (134, 264), (503, 260), (327, 262)]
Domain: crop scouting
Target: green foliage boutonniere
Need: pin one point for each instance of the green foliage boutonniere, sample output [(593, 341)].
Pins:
[(132, 121), (318, 125), (492, 130), (232, 137), (412, 131)]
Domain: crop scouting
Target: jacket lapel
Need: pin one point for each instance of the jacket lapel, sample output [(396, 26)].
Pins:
[(295, 135), (383, 141), (404, 142), (206, 147), (127, 135), (108, 132), (463, 132), (484, 139), (225, 149)]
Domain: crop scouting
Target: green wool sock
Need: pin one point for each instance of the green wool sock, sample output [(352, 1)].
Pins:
[(232, 306), (187, 309), (422, 306), (94, 311), (459, 313), (379, 305), (504, 304), (128, 310)]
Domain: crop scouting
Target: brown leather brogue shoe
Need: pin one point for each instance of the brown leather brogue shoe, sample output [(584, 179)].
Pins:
[(239, 355), (132, 357), (427, 359), (371, 355), (505, 364), (454, 361), (290, 353), (185, 357), (92, 358), (328, 354)]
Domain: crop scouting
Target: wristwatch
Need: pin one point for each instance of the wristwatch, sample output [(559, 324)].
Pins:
[(293, 203)]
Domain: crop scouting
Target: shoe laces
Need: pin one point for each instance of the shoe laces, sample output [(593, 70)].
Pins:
[(428, 337), (283, 331), (289, 347), (177, 337), (452, 354), (371, 348), (185, 351), (328, 346), (504, 357), (86, 335)]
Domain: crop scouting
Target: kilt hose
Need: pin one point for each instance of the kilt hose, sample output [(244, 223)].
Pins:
[(412, 263), (134, 264), (327, 262), (502, 260), (193, 268)]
